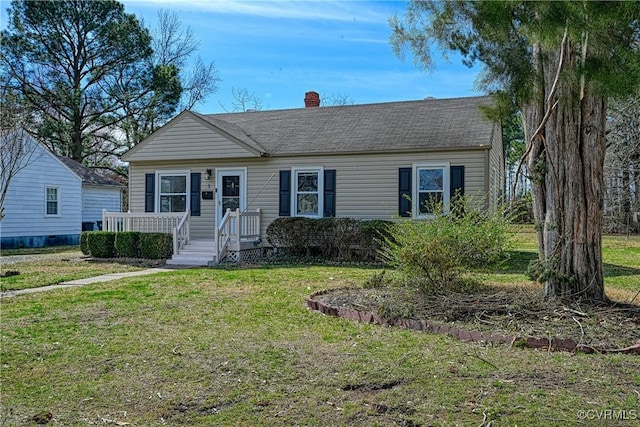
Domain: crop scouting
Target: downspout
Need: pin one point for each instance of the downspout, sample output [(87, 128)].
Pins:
[(487, 172)]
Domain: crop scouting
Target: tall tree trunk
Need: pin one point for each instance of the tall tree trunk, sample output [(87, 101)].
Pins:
[(566, 161)]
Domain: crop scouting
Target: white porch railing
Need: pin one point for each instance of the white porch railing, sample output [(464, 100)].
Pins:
[(143, 222), (236, 227), (174, 223)]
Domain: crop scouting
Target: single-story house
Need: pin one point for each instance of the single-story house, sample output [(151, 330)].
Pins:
[(376, 161), (49, 198)]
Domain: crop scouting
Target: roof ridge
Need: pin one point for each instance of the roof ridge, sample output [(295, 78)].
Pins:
[(206, 115)]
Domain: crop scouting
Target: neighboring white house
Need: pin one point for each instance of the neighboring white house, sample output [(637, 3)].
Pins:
[(98, 192), (45, 206)]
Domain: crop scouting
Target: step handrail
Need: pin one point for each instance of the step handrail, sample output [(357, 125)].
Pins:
[(181, 233), (236, 226)]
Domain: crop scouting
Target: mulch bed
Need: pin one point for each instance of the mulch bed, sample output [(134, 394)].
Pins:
[(517, 317)]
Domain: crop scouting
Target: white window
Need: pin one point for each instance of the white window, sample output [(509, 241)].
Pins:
[(52, 201), (431, 188), (173, 194), (307, 192)]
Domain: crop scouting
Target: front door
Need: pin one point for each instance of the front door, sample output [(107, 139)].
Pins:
[(230, 191)]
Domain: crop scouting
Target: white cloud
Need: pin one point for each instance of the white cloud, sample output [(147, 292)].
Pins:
[(308, 10)]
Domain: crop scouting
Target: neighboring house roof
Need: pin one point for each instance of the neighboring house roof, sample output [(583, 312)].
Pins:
[(395, 126), (88, 175)]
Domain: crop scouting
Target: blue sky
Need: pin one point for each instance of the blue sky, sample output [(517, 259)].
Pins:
[(280, 49)]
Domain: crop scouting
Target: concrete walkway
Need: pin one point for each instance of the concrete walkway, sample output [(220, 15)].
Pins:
[(87, 281)]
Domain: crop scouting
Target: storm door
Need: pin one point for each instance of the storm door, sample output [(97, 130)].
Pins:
[(230, 191)]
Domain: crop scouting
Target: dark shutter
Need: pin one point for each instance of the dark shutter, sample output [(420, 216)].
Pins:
[(149, 192), (195, 193), (285, 193), (329, 193), (404, 192), (457, 181)]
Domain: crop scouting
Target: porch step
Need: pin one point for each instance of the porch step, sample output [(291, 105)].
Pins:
[(196, 253)]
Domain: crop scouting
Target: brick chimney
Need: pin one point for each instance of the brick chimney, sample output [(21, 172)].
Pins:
[(311, 99)]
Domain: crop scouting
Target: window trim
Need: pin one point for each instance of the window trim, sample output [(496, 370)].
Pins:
[(158, 193), (415, 192), (294, 190), (58, 201)]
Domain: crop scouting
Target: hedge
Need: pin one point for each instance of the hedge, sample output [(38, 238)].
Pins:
[(127, 244), (101, 243), (341, 239), (156, 245), (84, 243)]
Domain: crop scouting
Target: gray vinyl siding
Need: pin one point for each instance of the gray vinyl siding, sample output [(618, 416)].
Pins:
[(187, 138), (366, 184), (25, 201)]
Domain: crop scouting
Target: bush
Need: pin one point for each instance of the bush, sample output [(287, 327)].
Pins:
[(84, 243), (127, 244), (101, 243), (339, 239), (156, 245), (443, 249)]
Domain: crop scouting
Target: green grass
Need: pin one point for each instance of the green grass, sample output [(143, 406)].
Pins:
[(621, 255), (208, 347), (39, 251), (239, 347), (50, 271)]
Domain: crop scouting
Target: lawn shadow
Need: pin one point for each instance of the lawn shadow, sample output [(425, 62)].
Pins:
[(613, 270), (518, 263)]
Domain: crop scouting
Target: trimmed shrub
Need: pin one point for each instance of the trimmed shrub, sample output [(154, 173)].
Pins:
[(291, 235), (441, 250), (84, 243), (101, 243), (127, 244), (338, 239), (156, 245)]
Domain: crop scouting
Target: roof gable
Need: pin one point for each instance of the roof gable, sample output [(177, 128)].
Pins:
[(190, 136)]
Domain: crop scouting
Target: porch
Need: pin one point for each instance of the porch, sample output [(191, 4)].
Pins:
[(236, 239)]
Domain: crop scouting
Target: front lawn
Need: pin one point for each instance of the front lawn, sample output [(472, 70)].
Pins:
[(206, 347), (61, 267)]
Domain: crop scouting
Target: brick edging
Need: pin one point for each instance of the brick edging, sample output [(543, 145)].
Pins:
[(460, 333)]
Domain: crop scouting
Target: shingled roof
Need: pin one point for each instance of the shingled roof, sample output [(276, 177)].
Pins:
[(455, 123), (88, 175)]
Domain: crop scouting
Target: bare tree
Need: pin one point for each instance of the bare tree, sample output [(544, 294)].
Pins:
[(16, 153), (622, 166), (172, 44), (337, 99), (243, 100)]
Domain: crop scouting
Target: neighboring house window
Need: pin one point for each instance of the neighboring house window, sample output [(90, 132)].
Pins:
[(307, 192), (431, 188), (172, 192), (52, 201)]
